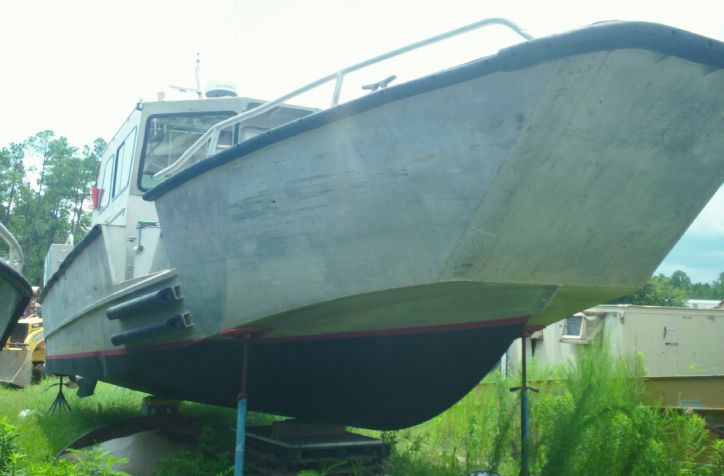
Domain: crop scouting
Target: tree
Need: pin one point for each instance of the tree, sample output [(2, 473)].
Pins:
[(659, 291), (674, 291), (713, 290), (88, 173), (52, 208), (12, 173), (718, 287), (681, 280)]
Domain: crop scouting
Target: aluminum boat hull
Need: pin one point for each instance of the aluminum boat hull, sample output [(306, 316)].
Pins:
[(386, 252), (15, 293)]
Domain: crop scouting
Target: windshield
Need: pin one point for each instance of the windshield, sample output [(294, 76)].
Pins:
[(169, 135)]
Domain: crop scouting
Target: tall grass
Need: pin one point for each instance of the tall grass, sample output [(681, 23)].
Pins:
[(588, 419)]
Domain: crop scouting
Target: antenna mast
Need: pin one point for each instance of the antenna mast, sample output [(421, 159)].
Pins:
[(197, 89), (198, 72)]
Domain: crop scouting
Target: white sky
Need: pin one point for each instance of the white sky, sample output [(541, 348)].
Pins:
[(78, 67)]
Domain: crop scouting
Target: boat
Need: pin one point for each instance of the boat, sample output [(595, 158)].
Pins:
[(369, 263), (15, 292)]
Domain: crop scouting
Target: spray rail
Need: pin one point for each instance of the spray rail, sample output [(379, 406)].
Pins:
[(211, 137)]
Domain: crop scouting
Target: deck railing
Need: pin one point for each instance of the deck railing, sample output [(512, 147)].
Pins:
[(211, 137), (15, 257)]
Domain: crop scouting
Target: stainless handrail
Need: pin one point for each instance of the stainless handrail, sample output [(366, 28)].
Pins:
[(212, 135), (15, 257)]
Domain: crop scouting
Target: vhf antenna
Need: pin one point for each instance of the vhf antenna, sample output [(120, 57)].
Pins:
[(196, 90)]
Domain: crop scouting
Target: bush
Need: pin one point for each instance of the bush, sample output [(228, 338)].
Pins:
[(93, 462), (213, 455), (8, 446), (590, 419)]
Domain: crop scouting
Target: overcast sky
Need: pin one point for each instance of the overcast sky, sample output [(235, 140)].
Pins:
[(78, 67)]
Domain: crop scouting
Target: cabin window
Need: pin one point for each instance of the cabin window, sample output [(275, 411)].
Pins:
[(170, 135), (106, 183), (19, 334), (124, 162), (249, 132)]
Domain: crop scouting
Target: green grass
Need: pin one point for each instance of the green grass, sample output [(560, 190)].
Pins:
[(589, 419), (39, 436), (42, 435)]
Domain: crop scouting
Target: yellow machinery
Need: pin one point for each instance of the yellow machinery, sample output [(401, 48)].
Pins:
[(28, 335)]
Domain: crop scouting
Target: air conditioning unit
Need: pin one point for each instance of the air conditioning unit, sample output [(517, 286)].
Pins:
[(574, 327), (581, 328)]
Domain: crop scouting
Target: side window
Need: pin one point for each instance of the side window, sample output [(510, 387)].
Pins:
[(249, 132), (106, 182), (124, 163)]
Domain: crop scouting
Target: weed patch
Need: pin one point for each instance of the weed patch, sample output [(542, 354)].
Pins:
[(588, 419)]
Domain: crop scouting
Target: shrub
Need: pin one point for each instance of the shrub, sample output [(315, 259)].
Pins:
[(213, 455), (8, 446), (588, 420)]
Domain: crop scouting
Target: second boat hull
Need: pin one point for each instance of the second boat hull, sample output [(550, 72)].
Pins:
[(15, 293)]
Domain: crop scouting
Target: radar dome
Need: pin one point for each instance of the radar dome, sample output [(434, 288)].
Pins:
[(220, 89)]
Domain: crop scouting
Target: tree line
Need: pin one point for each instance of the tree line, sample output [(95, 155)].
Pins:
[(46, 202), (675, 290)]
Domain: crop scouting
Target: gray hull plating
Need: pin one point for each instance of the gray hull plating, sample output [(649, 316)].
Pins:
[(533, 177), (15, 294), (429, 222)]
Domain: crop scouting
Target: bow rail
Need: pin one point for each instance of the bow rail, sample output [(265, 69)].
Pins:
[(15, 257), (211, 137)]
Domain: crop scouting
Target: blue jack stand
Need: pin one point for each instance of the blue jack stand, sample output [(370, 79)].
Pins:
[(245, 335), (524, 414), (241, 414)]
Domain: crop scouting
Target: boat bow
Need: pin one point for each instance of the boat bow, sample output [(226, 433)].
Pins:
[(15, 292)]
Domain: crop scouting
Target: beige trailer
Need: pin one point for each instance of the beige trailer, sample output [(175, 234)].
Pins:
[(682, 349)]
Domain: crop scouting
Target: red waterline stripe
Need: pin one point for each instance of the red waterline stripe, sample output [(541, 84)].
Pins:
[(274, 340), (98, 353)]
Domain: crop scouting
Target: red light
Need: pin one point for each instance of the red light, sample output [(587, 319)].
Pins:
[(95, 197)]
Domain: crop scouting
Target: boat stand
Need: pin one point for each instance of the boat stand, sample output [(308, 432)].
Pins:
[(245, 335), (59, 403), (288, 447), (241, 411), (524, 411)]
